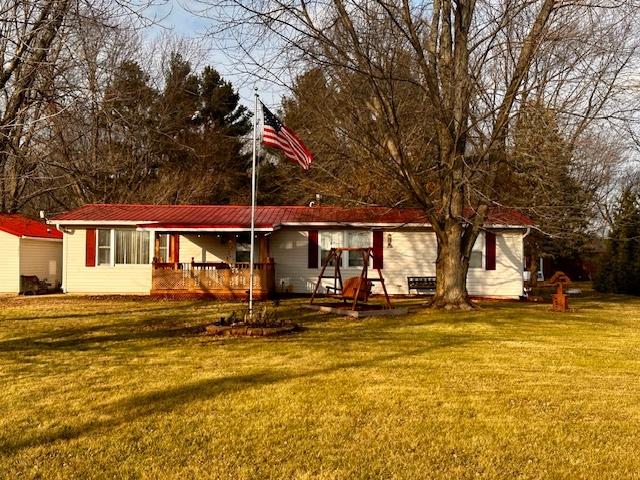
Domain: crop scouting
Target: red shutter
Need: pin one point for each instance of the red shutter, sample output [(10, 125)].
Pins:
[(90, 248), (490, 239), (313, 249), (174, 248), (378, 248)]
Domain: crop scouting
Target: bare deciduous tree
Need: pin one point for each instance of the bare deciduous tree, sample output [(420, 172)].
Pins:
[(432, 90), (41, 42)]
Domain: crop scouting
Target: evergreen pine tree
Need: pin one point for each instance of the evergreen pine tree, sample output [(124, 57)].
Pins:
[(620, 270)]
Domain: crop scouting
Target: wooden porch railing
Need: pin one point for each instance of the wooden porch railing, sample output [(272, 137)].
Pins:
[(212, 279)]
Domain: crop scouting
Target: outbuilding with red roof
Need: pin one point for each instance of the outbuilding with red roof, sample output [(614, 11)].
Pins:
[(30, 249), (204, 249)]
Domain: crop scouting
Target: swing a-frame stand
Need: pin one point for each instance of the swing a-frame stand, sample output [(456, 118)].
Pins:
[(354, 291)]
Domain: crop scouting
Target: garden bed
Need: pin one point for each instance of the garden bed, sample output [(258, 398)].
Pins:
[(263, 324), (249, 330)]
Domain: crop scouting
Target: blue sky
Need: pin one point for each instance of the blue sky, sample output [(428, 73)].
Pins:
[(174, 16)]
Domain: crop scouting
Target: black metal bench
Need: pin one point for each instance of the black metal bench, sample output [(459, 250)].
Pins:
[(422, 284)]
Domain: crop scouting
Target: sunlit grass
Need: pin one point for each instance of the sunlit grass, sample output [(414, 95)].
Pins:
[(128, 388)]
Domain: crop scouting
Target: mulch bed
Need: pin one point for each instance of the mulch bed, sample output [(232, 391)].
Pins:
[(263, 324), (244, 330)]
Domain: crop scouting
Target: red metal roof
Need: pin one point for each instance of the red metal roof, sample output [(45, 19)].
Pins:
[(239, 216), (22, 226)]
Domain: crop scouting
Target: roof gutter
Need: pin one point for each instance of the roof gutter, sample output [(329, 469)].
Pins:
[(383, 225), (206, 229), (149, 225), (46, 239), (98, 222)]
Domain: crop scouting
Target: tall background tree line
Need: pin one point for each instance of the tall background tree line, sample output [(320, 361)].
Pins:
[(453, 107)]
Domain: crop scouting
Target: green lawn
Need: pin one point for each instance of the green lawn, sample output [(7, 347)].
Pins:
[(127, 388)]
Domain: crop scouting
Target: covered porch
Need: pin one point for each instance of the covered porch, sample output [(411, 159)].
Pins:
[(212, 264)]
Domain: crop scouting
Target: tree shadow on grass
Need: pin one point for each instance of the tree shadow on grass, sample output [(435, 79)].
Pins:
[(527, 316), (175, 398), (114, 311), (90, 337), (152, 327), (95, 336)]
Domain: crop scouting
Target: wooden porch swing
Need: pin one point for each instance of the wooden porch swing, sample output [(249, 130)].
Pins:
[(355, 289)]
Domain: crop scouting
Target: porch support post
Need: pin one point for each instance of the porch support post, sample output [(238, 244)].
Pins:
[(253, 201)]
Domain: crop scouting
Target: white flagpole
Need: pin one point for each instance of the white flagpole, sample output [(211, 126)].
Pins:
[(253, 201)]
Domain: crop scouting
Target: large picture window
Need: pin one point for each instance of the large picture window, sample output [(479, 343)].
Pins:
[(131, 247)]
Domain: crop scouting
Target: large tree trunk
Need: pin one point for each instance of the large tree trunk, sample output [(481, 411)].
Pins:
[(451, 270)]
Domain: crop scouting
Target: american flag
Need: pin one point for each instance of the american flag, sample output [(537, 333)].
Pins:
[(276, 135)]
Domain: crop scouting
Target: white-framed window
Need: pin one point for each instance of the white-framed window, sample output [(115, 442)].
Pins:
[(329, 239), (163, 247), (103, 246), (476, 260), (340, 239), (123, 247), (357, 239), (131, 247)]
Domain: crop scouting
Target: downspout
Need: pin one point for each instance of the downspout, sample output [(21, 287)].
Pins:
[(526, 234), (19, 265), (64, 258)]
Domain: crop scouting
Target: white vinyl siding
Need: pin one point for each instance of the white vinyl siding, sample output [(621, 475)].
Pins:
[(506, 279), (413, 253), (10, 265), (28, 256), (103, 279), (206, 247), (289, 249)]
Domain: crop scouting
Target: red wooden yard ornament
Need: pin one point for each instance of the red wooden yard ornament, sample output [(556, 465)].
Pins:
[(560, 299)]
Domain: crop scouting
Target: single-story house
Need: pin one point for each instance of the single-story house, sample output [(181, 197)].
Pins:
[(204, 249), (30, 248)]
